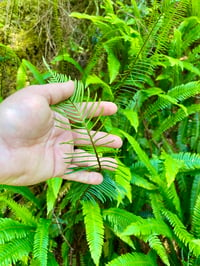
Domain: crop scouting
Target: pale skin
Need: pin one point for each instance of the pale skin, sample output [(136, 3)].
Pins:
[(30, 139)]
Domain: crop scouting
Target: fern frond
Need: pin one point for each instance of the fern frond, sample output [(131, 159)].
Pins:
[(21, 212), (117, 220), (94, 229), (123, 178), (147, 227), (171, 199), (41, 241), (190, 161), (174, 119), (178, 93), (182, 233), (196, 218), (108, 189), (24, 191), (156, 244), (136, 259), (190, 29), (54, 185), (195, 192), (142, 156), (120, 218), (12, 252), (11, 229)]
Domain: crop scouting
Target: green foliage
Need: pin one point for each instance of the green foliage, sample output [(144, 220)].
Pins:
[(94, 229), (144, 56)]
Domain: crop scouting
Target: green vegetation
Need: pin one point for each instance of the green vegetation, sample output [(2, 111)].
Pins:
[(144, 56)]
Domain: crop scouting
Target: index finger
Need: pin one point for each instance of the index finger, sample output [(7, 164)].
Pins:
[(53, 92)]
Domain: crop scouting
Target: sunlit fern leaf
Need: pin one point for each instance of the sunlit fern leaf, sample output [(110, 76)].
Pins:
[(54, 185), (196, 218), (147, 227), (41, 241), (94, 229), (182, 233), (117, 220), (15, 251), (156, 244), (11, 230), (190, 29), (123, 177), (136, 259), (191, 160), (21, 212)]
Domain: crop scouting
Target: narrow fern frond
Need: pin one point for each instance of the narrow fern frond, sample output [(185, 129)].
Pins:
[(24, 191), (156, 244), (178, 93), (21, 212), (174, 119), (146, 227), (41, 241), (78, 112), (94, 229), (11, 230), (190, 161), (195, 192), (182, 233), (136, 259), (142, 156), (54, 185), (196, 219), (14, 251), (108, 189), (119, 219)]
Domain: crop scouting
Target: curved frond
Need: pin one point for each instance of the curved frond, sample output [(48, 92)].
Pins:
[(15, 251), (94, 229), (142, 156), (174, 119), (41, 241), (108, 189), (178, 94), (190, 161), (147, 227), (136, 259), (156, 244), (195, 192), (182, 233), (11, 230), (196, 218), (21, 212), (24, 191)]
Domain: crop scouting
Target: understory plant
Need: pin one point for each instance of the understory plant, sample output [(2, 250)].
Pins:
[(145, 58)]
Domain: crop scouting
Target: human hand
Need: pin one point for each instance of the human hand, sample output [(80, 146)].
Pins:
[(30, 139)]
